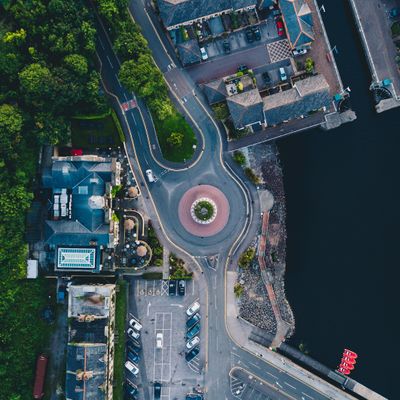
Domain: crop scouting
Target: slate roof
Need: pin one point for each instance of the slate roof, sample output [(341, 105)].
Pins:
[(215, 91), (308, 95), (189, 52), (246, 108), (87, 358), (176, 12), (298, 20)]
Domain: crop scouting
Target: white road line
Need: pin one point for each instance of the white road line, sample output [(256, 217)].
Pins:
[(254, 365), (119, 83), (215, 300), (134, 120), (278, 384), (305, 394), (148, 308), (101, 43), (192, 287), (109, 61), (125, 96), (288, 384), (269, 373)]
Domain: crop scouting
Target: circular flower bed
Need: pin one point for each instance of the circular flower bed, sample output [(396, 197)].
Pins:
[(204, 210)]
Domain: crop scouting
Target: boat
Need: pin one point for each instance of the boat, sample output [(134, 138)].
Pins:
[(347, 366), (349, 353), (344, 371), (348, 360)]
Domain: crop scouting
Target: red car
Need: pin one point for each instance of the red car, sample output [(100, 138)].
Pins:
[(279, 27)]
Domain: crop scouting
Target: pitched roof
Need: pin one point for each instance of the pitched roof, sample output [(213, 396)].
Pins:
[(175, 12), (298, 20), (308, 95), (246, 108), (215, 91), (189, 52), (88, 359)]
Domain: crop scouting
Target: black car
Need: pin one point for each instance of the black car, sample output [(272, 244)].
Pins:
[(172, 288), (192, 354), (242, 68), (130, 390), (192, 321), (249, 35), (133, 356), (227, 46), (157, 390), (257, 33), (266, 78), (134, 344), (181, 287)]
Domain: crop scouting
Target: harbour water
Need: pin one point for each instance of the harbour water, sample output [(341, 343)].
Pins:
[(342, 190)]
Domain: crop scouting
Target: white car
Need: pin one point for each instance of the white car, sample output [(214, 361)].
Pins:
[(132, 333), (159, 340), (282, 74), (193, 309), (135, 325), (203, 52), (150, 176), (131, 367), (299, 52), (192, 343)]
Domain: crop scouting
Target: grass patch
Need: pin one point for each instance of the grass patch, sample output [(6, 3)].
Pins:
[(119, 358), (99, 131), (204, 210), (175, 123), (152, 275), (395, 29)]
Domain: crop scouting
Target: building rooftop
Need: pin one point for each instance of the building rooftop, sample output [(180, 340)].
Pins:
[(189, 52), (177, 12), (94, 331), (93, 300), (215, 91), (298, 20), (307, 95), (86, 376), (246, 108)]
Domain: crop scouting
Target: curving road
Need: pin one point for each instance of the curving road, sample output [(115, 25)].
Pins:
[(208, 167)]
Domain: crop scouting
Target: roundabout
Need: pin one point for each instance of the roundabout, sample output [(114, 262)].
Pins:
[(203, 210)]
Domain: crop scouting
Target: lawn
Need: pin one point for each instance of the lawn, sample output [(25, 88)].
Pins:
[(119, 359), (175, 123), (96, 131)]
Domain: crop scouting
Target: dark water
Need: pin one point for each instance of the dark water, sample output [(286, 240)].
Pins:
[(343, 225)]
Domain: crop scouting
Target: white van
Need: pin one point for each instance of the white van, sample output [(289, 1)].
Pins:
[(150, 176), (282, 74)]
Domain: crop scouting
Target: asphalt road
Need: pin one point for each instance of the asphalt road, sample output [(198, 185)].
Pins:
[(223, 354)]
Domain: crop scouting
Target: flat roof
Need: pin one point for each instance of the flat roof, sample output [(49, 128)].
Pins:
[(76, 258)]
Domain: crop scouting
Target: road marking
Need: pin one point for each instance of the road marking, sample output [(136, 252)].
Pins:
[(148, 308), (305, 394), (291, 386), (109, 61), (278, 384), (119, 83), (177, 305), (269, 373), (101, 43), (215, 300), (254, 365)]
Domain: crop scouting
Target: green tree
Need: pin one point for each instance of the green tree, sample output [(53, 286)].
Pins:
[(36, 82), (175, 139), (51, 129), (309, 65), (77, 64), (247, 257), (130, 43), (239, 157), (108, 9), (221, 111), (162, 107), (10, 130)]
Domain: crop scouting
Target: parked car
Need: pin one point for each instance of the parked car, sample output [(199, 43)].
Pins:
[(129, 393), (192, 354), (193, 320), (203, 52), (266, 78), (299, 52), (257, 33), (133, 344), (132, 368), (282, 74), (249, 35), (193, 332), (181, 287), (134, 323), (279, 27), (159, 340), (150, 176), (192, 343), (276, 12), (394, 12), (226, 46), (172, 287), (133, 334), (157, 390), (130, 388), (242, 68), (193, 309), (133, 356)]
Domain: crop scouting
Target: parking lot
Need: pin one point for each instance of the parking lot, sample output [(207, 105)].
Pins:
[(160, 313)]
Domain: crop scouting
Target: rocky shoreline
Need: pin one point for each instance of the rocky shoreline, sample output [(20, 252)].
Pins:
[(254, 303)]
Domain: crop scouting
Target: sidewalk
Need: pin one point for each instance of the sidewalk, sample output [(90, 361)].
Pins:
[(240, 331)]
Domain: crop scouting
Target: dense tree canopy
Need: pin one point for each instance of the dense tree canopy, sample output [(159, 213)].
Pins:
[(47, 76)]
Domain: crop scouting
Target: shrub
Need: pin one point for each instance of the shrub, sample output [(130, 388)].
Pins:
[(252, 176), (238, 289), (247, 257), (239, 157)]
